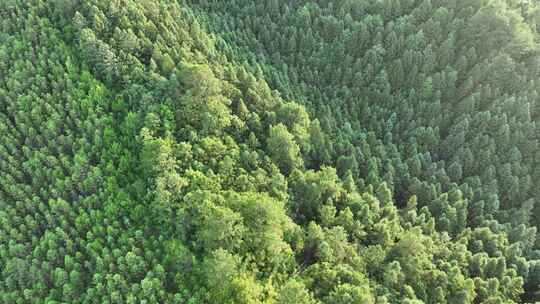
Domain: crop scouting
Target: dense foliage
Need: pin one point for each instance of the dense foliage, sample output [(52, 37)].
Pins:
[(321, 152)]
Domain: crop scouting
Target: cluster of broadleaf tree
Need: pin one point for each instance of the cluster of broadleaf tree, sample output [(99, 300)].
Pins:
[(319, 152)]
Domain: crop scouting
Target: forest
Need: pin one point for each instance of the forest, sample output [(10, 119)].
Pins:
[(270, 151)]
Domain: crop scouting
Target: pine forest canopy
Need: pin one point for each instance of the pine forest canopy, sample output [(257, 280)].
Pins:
[(272, 151)]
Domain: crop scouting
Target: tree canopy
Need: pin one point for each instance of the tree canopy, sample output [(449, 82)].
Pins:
[(271, 151)]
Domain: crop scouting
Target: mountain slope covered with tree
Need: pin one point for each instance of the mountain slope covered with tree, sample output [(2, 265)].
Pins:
[(324, 152)]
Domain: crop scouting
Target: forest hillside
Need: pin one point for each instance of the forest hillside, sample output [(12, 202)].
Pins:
[(269, 152)]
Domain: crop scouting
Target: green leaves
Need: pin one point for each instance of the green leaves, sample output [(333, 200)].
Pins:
[(148, 158), (283, 149), (202, 106)]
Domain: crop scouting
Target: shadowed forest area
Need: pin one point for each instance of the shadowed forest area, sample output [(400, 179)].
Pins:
[(269, 152)]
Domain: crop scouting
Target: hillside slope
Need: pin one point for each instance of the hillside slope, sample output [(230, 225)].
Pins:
[(268, 152)]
